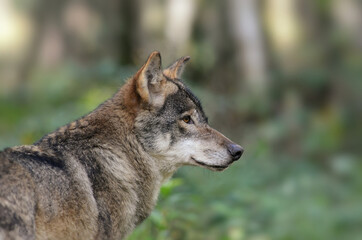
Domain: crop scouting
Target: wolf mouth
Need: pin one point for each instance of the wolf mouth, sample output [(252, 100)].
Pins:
[(217, 167)]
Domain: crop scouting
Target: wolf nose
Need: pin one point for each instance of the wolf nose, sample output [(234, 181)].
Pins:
[(235, 151)]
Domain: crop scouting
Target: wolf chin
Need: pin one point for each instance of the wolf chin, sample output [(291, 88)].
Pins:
[(99, 176)]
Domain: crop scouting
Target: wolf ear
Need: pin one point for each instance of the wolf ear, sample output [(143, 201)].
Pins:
[(176, 69), (150, 80)]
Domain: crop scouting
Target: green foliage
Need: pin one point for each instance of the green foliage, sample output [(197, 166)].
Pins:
[(301, 174), (296, 179)]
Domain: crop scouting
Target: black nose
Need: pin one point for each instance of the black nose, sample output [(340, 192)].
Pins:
[(235, 151)]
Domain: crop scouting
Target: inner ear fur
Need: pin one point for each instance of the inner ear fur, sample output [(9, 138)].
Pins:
[(148, 77), (150, 81), (151, 84), (176, 69)]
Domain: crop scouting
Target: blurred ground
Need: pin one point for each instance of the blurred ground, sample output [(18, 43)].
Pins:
[(280, 77)]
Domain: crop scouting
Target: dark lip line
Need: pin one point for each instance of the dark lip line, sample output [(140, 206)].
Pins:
[(206, 165)]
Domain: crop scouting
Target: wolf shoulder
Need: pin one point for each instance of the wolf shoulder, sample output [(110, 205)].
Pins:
[(45, 171), (39, 187)]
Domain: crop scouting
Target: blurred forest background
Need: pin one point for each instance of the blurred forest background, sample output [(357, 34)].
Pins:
[(280, 77)]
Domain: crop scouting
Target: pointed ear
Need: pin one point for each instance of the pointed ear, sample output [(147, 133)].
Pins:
[(176, 69), (149, 81)]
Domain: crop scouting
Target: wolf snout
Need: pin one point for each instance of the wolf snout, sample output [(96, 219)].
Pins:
[(235, 151)]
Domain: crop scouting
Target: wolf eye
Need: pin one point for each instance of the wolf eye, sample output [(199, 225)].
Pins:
[(187, 119)]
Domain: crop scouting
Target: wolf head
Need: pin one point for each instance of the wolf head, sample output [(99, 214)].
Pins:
[(170, 122)]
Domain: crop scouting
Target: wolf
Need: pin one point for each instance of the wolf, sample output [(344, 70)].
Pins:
[(99, 176)]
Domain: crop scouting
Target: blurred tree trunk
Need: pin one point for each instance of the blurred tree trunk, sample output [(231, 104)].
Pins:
[(120, 32), (43, 12), (129, 38), (179, 21), (250, 55), (348, 16), (118, 38), (283, 32)]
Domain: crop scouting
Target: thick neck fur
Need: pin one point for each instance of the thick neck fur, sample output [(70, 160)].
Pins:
[(105, 143)]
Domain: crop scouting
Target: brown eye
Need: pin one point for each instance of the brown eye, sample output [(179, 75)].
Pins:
[(187, 119)]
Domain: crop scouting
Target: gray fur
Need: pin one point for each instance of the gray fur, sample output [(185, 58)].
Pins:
[(99, 176)]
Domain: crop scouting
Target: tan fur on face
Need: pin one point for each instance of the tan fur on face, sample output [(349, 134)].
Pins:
[(209, 147)]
